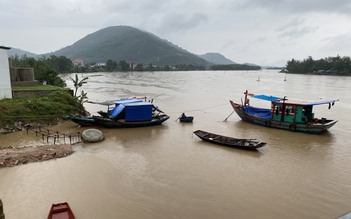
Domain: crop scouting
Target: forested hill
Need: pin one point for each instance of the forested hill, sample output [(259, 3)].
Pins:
[(217, 59), (327, 66), (129, 44)]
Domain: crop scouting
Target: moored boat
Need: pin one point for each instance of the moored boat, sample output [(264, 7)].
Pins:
[(122, 123), (184, 118), (293, 115), (241, 143), (61, 211), (127, 113)]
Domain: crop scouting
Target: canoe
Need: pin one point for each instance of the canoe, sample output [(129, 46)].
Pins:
[(246, 144), (186, 119), (61, 211)]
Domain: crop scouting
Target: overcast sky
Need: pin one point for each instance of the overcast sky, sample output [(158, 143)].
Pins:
[(264, 32)]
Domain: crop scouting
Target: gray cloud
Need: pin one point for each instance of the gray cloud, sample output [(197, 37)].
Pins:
[(299, 6), (255, 31)]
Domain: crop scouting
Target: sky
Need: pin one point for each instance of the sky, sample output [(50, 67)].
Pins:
[(262, 32)]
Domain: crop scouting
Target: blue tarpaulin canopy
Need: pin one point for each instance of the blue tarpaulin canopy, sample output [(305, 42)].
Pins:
[(266, 97), (258, 112), (125, 101), (116, 111), (279, 101)]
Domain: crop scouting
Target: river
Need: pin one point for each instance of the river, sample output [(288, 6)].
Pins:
[(167, 172)]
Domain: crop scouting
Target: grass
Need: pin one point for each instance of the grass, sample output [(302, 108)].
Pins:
[(37, 87), (37, 109)]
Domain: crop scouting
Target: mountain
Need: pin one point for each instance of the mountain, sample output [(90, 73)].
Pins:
[(217, 59), (130, 44), (20, 52)]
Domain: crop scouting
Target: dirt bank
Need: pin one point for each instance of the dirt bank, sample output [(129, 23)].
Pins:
[(12, 156)]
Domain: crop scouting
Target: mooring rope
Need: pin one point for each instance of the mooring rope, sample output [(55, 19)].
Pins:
[(202, 109)]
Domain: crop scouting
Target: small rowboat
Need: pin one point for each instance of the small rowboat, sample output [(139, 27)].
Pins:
[(184, 118), (247, 144), (61, 211)]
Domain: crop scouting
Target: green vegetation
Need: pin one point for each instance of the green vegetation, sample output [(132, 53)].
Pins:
[(327, 66), (43, 68), (131, 44), (38, 110), (235, 67), (37, 87)]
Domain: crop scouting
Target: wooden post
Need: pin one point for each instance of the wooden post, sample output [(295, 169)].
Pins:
[(2, 215)]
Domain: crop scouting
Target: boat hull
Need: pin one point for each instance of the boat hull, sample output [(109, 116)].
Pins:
[(82, 120), (246, 144), (61, 211), (186, 119), (313, 128), (111, 123)]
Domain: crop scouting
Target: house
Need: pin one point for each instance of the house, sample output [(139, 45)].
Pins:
[(5, 82), (78, 63)]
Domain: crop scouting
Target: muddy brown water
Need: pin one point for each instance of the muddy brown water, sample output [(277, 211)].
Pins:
[(167, 172)]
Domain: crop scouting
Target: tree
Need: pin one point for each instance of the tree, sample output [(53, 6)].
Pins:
[(60, 64), (123, 66), (111, 65), (78, 83), (42, 70)]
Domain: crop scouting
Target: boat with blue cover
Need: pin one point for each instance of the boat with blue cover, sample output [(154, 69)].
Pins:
[(284, 113), (126, 113)]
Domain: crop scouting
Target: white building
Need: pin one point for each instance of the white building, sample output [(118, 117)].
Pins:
[(5, 80)]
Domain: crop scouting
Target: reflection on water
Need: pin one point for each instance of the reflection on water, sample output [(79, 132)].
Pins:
[(166, 171)]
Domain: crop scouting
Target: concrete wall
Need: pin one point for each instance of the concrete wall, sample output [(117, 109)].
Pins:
[(5, 81)]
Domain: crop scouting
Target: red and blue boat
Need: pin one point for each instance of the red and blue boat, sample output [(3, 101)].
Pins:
[(284, 113)]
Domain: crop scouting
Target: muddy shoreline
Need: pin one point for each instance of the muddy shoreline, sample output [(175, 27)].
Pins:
[(13, 156)]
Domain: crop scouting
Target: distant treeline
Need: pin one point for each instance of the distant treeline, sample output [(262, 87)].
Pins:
[(235, 67), (327, 66), (54, 65)]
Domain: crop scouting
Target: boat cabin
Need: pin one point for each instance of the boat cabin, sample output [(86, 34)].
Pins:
[(132, 110), (292, 113)]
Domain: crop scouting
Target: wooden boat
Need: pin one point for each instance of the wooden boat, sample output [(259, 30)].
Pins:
[(122, 123), (293, 115), (184, 118), (61, 211), (247, 144), (82, 120), (127, 113)]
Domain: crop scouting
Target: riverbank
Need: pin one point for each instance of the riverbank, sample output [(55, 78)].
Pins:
[(13, 156), (20, 113)]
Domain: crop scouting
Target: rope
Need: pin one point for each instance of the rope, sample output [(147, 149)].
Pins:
[(203, 109)]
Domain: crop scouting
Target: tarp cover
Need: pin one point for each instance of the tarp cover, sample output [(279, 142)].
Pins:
[(266, 97), (116, 111), (305, 103), (139, 111), (258, 112), (126, 101)]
